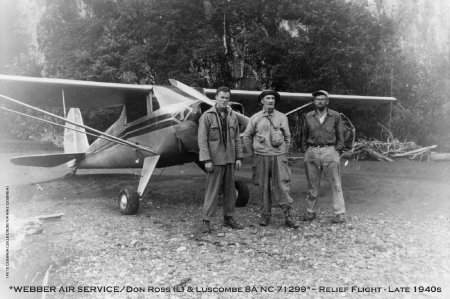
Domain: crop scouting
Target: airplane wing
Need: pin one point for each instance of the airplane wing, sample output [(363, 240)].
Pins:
[(292, 100), (47, 92)]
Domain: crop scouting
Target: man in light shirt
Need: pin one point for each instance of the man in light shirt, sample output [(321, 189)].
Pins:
[(322, 143)]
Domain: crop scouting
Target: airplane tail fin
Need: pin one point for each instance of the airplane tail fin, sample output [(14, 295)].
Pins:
[(75, 142)]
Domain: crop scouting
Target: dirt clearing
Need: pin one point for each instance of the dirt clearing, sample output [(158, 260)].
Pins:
[(395, 243)]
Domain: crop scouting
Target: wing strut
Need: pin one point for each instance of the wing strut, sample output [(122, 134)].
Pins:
[(298, 108), (64, 103), (82, 126)]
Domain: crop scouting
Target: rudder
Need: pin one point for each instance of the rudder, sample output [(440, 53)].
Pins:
[(75, 142)]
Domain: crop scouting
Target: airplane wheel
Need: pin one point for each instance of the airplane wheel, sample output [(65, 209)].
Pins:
[(128, 201), (242, 193)]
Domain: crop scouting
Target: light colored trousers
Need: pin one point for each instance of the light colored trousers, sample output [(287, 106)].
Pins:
[(272, 174), (324, 160), (222, 176)]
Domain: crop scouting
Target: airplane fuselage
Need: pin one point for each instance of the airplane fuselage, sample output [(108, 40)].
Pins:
[(170, 131)]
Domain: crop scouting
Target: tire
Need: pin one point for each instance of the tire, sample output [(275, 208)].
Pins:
[(242, 194), (128, 201)]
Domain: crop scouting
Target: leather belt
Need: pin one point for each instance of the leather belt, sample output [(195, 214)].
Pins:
[(321, 145)]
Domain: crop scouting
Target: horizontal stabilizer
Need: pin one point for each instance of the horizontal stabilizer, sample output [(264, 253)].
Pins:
[(46, 160)]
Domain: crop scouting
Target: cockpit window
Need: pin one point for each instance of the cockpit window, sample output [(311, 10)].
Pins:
[(136, 109), (155, 103)]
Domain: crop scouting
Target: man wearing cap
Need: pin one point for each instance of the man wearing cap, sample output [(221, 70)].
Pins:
[(322, 143), (220, 148), (267, 137)]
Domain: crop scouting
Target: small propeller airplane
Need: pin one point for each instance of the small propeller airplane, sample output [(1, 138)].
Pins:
[(157, 126)]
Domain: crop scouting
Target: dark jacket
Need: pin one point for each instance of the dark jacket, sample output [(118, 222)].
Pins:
[(330, 132), (210, 141)]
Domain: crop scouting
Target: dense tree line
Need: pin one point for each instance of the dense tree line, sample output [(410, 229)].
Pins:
[(288, 45)]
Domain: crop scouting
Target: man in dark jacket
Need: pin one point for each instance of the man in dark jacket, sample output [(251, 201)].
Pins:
[(322, 143), (221, 151)]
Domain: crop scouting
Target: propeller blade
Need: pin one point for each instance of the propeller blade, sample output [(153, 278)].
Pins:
[(192, 92)]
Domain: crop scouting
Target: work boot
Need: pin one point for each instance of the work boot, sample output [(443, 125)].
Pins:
[(339, 218), (206, 226), (289, 219), (308, 216), (228, 221), (264, 221)]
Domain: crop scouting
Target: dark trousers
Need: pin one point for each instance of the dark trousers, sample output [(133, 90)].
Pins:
[(272, 174), (222, 176)]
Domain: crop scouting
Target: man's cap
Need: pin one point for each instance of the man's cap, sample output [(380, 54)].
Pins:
[(269, 92), (319, 92)]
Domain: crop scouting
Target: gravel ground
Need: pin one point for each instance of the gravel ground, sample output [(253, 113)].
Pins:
[(397, 236)]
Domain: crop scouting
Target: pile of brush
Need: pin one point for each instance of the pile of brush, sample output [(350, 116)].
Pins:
[(388, 150)]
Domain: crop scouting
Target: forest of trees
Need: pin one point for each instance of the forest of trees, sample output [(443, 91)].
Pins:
[(345, 47)]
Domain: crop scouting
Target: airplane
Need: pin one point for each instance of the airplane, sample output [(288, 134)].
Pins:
[(157, 126)]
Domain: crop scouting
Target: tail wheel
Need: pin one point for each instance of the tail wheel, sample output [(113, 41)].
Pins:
[(242, 193), (128, 201)]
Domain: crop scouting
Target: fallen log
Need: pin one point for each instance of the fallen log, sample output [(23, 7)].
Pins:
[(50, 217), (439, 157), (416, 151), (377, 156)]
